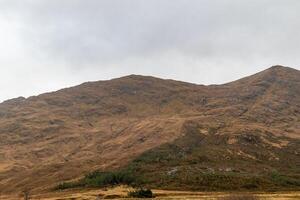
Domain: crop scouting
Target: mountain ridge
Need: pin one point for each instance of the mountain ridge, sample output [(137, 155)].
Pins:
[(107, 124), (139, 76)]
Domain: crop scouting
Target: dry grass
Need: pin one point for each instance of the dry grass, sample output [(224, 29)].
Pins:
[(240, 197), (120, 193), (104, 125)]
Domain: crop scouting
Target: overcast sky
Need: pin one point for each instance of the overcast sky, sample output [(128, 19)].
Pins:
[(46, 45)]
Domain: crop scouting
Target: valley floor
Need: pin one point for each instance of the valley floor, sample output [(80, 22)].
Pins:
[(119, 193)]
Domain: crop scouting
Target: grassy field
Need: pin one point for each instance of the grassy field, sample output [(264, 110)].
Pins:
[(121, 192)]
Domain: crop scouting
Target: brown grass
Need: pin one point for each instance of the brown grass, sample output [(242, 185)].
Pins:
[(240, 197), (103, 125), (121, 193)]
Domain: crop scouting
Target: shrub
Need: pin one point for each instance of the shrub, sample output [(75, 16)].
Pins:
[(100, 179), (141, 193), (284, 180), (67, 185), (108, 178)]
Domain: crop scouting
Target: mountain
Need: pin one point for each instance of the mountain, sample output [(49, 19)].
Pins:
[(173, 133)]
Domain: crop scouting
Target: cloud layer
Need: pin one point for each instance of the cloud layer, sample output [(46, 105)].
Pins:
[(51, 44)]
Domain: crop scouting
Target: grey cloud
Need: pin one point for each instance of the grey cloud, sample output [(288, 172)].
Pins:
[(202, 41)]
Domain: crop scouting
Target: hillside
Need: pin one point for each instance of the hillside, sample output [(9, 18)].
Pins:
[(249, 126)]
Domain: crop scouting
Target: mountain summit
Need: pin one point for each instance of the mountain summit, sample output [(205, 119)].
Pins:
[(249, 126)]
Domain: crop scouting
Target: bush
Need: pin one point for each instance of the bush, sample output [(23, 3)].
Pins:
[(100, 179), (282, 180), (108, 178), (67, 185), (141, 193)]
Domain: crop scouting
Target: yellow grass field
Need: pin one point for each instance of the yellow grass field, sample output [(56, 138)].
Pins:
[(118, 193)]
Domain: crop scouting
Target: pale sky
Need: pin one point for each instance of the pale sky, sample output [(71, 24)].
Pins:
[(46, 45)]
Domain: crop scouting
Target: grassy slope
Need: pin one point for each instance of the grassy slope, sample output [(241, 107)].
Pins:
[(200, 162), (104, 125), (207, 162)]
